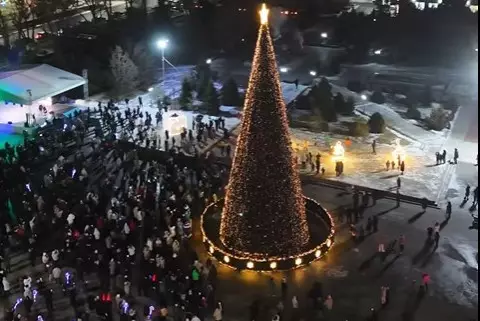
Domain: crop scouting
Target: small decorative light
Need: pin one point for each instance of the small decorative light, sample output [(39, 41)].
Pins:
[(273, 265), (329, 242), (250, 265), (318, 253), (226, 259), (211, 249), (298, 261)]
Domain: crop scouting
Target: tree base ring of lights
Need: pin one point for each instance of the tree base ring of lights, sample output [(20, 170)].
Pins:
[(321, 233)]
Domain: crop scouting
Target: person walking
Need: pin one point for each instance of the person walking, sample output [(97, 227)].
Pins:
[(401, 243), (384, 295), (467, 193), (448, 210), (425, 281), (399, 182), (381, 251), (218, 312), (437, 239), (475, 196), (328, 303), (284, 288)]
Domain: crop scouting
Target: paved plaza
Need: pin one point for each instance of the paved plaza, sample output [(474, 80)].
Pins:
[(353, 277)]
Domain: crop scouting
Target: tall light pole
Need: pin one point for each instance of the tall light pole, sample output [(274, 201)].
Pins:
[(30, 107), (162, 44)]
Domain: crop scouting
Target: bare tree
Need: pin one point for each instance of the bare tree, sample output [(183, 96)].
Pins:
[(95, 8), (107, 6), (4, 29), (22, 12), (44, 11)]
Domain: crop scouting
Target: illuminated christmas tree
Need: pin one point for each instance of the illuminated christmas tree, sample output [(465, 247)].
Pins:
[(264, 211)]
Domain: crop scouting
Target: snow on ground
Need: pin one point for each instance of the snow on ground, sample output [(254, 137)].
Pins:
[(393, 119), (421, 179), (290, 92)]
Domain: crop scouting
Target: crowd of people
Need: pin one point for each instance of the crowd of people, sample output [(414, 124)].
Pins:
[(104, 226)]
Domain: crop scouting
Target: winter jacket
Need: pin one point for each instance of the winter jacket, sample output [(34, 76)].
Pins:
[(6, 284), (217, 314), (329, 302)]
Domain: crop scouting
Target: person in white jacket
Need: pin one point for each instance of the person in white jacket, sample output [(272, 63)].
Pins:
[(6, 286), (217, 313)]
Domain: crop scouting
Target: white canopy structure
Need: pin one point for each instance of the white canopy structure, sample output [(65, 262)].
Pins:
[(36, 82)]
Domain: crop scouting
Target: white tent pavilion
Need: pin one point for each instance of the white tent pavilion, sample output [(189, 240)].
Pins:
[(32, 83)]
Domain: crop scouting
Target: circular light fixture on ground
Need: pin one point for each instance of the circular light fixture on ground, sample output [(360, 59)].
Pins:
[(320, 221)]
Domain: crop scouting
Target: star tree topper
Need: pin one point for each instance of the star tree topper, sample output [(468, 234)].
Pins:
[(264, 14)]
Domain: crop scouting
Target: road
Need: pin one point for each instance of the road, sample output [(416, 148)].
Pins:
[(117, 6)]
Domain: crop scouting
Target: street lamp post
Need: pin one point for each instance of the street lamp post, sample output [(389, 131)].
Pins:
[(30, 113), (162, 44)]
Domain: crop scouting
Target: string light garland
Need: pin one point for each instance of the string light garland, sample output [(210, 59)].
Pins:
[(264, 212), (317, 249), (264, 223)]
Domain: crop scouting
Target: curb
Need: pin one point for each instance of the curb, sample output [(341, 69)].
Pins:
[(385, 194)]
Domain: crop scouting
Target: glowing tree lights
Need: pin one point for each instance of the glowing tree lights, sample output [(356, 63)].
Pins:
[(266, 221), (264, 212)]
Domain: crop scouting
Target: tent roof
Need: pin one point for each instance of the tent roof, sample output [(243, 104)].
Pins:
[(44, 81)]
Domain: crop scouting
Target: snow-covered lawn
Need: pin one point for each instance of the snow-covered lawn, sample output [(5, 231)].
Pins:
[(421, 179), (426, 138)]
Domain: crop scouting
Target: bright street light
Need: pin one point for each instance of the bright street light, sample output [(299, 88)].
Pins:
[(162, 43), (150, 89), (476, 49), (313, 73), (283, 69), (378, 52), (324, 35), (208, 61), (364, 97)]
